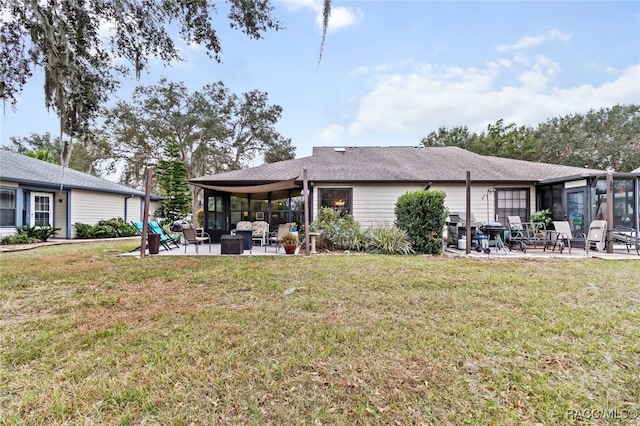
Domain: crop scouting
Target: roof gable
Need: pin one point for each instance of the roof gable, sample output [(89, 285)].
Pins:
[(400, 164), (19, 168)]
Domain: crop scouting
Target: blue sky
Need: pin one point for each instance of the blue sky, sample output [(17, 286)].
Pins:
[(393, 71)]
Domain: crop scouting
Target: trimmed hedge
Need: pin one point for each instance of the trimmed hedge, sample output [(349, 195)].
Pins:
[(422, 215), (110, 228)]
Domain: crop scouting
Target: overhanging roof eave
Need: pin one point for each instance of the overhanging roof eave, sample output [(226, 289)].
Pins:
[(251, 189)]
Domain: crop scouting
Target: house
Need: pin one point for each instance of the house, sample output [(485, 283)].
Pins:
[(34, 192), (367, 181)]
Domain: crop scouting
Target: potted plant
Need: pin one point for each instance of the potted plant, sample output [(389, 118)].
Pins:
[(543, 216), (290, 242)]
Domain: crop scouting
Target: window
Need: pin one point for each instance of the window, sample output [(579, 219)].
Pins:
[(41, 210), (239, 209), (287, 210), (624, 202), (512, 202), (551, 198), (336, 198), (7, 207), (215, 212), (259, 208)]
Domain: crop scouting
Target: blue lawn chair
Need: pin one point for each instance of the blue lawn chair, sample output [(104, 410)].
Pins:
[(165, 239), (138, 225)]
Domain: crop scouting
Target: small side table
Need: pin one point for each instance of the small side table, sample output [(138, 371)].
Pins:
[(231, 244), (312, 236)]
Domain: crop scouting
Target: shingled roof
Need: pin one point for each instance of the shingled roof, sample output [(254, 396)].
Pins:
[(19, 168), (399, 164)]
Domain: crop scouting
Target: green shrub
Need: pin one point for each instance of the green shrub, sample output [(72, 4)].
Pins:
[(336, 229), (84, 231), (200, 217), (39, 233), (422, 215), (361, 240), (390, 241), (108, 228), (18, 239)]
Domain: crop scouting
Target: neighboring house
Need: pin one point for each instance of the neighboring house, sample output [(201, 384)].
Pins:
[(367, 181), (31, 194)]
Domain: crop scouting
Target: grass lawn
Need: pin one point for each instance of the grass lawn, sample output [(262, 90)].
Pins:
[(90, 338)]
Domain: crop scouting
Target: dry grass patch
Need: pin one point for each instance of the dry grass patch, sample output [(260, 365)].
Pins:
[(88, 337)]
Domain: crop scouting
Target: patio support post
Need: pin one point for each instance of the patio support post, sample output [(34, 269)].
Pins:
[(305, 189), (468, 213), (609, 236), (145, 214)]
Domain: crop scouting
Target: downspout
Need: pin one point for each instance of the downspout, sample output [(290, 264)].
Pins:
[(68, 209), (68, 193), (126, 206), (20, 207), (609, 235), (637, 211)]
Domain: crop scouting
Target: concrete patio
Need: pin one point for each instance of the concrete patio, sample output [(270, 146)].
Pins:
[(214, 249), (619, 252)]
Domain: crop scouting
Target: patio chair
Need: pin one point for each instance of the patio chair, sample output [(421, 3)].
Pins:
[(564, 236), (517, 232), (166, 240), (526, 234), (246, 225), (260, 231), (283, 228), (628, 237), (191, 237), (138, 225), (597, 235)]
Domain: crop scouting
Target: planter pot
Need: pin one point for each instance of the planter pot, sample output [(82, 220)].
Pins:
[(290, 248)]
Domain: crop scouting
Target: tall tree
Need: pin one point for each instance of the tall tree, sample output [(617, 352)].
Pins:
[(172, 180), (608, 137), (511, 141), (215, 129), (82, 67), (456, 136), (86, 156), (43, 155), (604, 138)]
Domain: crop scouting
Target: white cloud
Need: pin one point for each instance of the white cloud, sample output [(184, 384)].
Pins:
[(535, 40), (331, 134), (539, 75), (301, 4), (408, 106), (341, 17), (409, 100)]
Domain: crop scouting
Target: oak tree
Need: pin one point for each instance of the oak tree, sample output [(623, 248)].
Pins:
[(83, 65)]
